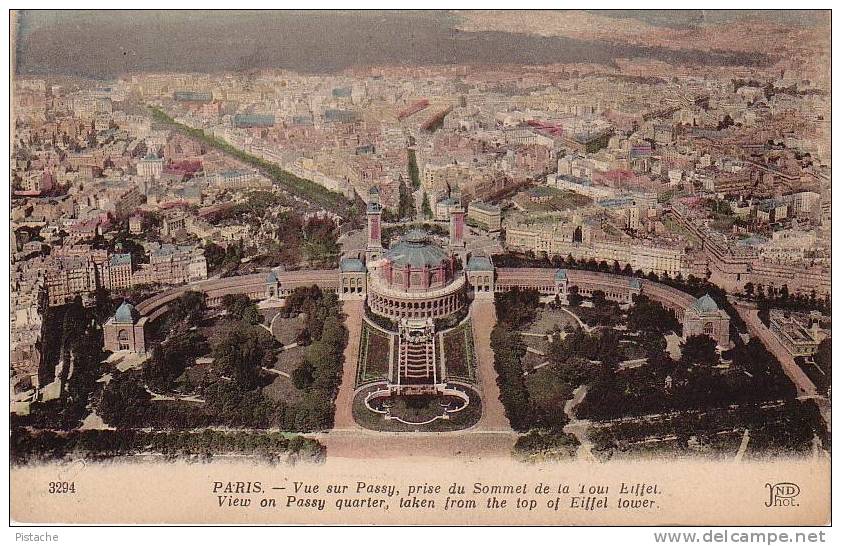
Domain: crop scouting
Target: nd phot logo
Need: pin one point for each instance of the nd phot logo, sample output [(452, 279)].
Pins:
[(782, 494)]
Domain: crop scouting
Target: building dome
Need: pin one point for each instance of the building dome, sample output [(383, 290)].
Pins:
[(125, 313), (705, 304), (416, 251)]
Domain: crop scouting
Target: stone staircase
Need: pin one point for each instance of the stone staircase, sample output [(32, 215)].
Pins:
[(416, 362)]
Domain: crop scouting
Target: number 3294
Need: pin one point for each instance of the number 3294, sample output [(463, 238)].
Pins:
[(59, 488)]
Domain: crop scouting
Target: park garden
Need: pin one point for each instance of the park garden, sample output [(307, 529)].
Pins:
[(623, 381), (224, 367)]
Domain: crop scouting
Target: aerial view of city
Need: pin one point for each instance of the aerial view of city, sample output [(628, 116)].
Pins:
[(573, 236)]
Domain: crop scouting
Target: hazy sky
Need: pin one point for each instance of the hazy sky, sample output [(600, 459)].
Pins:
[(103, 44)]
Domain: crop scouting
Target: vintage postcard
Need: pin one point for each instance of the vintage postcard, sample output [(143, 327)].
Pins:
[(420, 267)]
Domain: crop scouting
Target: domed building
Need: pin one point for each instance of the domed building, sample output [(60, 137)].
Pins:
[(125, 331), (414, 282), (416, 279)]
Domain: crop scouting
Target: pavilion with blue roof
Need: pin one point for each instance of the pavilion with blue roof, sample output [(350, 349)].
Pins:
[(124, 331), (705, 317)]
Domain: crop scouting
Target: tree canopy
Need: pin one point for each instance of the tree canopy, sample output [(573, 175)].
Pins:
[(241, 307), (647, 315), (699, 350)]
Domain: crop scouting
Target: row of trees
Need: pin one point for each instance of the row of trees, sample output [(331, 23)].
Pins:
[(530, 259), (784, 429), (27, 445), (426, 207), (405, 202), (509, 350), (306, 189), (782, 298)]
